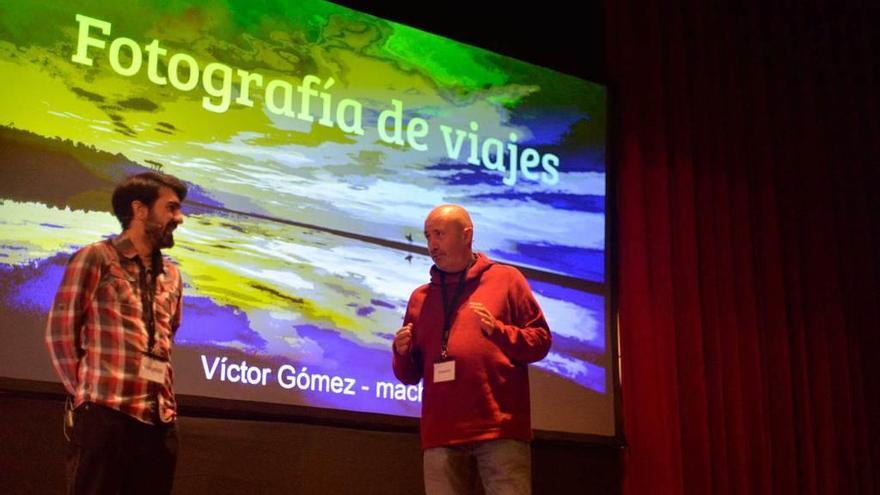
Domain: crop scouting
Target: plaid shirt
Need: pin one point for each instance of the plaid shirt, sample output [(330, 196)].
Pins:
[(97, 330)]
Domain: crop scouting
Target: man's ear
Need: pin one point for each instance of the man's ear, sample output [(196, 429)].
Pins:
[(469, 234), (139, 210)]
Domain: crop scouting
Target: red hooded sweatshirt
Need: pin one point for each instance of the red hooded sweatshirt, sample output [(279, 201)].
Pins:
[(489, 397)]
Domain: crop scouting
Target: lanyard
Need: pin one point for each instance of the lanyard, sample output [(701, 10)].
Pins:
[(148, 294), (148, 287), (450, 307)]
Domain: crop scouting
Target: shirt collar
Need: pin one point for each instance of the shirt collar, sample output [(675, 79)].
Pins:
[(125, 247)]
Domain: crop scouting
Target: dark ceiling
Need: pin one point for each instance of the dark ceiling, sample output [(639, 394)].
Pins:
[(567, 37)]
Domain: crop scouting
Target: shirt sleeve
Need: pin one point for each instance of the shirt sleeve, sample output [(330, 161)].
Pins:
[(81, 278), (178, 311), (526, 339)]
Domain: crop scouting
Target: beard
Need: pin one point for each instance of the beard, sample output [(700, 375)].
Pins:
[(162, 236)]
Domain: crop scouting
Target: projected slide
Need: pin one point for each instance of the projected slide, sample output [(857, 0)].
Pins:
[(314, 139)]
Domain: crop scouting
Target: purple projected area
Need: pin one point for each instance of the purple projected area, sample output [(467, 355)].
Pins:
[(335, 368)]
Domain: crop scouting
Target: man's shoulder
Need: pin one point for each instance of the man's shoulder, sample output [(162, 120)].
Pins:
[(420, 291), (100, 246), (418, 295), (97, 252), (505, 277), (501, 271)]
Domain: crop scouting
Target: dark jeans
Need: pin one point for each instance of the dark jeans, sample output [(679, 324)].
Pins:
[(109, 452)]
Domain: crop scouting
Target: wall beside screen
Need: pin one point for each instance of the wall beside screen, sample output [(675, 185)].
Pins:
[(314, 139)]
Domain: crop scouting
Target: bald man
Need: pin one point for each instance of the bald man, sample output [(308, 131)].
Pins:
[(470, 334)]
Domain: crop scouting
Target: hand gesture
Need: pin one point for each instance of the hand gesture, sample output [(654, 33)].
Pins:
[(403, 340), (488, 324)]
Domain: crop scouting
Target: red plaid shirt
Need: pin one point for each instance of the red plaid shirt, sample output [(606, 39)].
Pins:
[(97, 333)]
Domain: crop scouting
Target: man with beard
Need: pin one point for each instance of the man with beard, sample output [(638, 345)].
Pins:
[(109, 335), (470, 334)]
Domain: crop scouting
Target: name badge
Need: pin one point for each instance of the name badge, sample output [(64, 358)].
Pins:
[(444, 371), (153, 369)]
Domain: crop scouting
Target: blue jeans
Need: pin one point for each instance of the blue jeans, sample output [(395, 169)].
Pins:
[(504, 467)]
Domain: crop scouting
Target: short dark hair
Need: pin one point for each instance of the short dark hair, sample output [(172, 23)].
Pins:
[(144, 188)]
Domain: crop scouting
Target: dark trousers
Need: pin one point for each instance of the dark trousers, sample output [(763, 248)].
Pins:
[(110, 452)]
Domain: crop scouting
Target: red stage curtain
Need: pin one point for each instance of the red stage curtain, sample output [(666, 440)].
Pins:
[(746, 145)]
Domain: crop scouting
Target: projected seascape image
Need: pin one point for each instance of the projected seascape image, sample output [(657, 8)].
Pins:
[(315, 139)]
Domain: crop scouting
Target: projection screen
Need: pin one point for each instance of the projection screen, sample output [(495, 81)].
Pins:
[(314, 140)]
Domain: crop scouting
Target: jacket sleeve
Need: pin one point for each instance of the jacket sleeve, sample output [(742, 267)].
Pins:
[(408, 368), (526, 338), (78, 286)]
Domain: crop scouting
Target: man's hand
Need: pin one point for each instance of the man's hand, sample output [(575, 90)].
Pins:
[(488, 324), (403, 340)]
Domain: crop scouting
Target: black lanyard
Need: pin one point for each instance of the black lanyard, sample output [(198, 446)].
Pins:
[(148, 286), (148, 293), (449, 308)]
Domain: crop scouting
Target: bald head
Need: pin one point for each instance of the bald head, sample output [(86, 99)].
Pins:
[(449, 232), (452, 214)]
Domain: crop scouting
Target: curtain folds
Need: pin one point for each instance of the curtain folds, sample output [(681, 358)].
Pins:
[(746, 139)]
